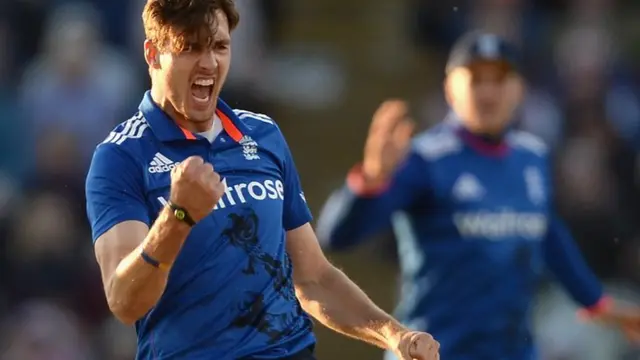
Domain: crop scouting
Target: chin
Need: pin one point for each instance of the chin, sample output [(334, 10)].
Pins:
[(490, 125), (199, 117)]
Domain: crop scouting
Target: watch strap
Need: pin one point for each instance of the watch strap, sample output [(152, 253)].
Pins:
[(181, 213)]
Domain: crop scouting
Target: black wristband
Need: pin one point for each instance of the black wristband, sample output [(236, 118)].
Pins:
[(181, 214)]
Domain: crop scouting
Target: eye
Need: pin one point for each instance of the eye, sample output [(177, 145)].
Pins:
[(222, 45), (191, 47)]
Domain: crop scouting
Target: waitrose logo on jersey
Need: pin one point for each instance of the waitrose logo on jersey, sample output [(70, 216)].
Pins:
[(242, 193), (501, 225)]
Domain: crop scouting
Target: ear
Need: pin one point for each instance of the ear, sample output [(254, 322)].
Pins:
[(453, 81), (446, 86), (151, 54)]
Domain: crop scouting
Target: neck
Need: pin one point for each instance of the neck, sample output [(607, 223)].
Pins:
[(490, 136), (488, 144), (163, 103)]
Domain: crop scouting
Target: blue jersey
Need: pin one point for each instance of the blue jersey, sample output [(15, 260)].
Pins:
[(474, 225), (230, 293)]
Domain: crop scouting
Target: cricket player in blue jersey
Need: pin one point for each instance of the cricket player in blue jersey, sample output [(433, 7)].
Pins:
[(200, 225), (471, 203)]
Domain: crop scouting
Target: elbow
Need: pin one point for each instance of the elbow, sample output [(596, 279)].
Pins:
[(313, 293), (126, 307), (310, 287), (128, 321), (124, 311)]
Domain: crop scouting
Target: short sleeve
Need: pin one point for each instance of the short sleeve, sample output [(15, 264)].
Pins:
[(114, 190), (296, 211)]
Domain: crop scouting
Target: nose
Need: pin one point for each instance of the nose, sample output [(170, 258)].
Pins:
[(208, 60), (488, 90)]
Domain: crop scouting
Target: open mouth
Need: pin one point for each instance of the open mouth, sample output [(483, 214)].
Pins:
[(202, 90)]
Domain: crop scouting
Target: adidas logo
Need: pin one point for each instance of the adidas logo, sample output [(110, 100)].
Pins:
[(161, 164), (467, 188)]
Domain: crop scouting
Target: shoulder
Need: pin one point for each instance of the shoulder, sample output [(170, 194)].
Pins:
[(261, 128), (437, 143), (254, 120), (123, 144), (128, 132), (528, 143)]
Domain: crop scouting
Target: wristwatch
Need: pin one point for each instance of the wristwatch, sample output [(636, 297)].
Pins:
[(181, 214)]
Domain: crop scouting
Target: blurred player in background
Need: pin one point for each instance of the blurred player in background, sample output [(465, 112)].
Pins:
[(215, 264), (471, 203)]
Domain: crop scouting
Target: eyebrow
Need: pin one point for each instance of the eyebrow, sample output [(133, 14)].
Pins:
[(222, 38)]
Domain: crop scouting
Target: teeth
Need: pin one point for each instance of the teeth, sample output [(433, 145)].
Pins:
[(202, 100), (204, 82)]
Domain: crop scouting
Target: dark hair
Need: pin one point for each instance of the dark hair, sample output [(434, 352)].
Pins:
[(177, 24)]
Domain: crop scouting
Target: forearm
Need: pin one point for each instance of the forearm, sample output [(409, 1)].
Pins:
[(136, 286), (364, 206), (357, 211), (341, 305), (566, 262)]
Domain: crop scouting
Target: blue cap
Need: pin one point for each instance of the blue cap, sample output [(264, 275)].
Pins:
[(479, 46)]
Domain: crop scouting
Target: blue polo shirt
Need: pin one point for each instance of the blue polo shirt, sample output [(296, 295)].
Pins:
[(230, 293)]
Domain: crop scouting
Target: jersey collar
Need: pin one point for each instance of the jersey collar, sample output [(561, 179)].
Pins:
[(476, 142), (166, 129)]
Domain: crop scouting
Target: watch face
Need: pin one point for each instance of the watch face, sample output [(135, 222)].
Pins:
[(180, 214)]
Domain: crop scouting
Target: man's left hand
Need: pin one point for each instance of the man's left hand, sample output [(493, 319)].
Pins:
[(415, 345), (626, 318)]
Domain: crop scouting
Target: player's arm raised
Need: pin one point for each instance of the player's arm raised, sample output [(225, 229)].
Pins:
[(134, 257), (131, 286), (389, 178)]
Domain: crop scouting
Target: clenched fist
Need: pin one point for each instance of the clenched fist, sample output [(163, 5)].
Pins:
[(196, 187), (415, 345), (388, 141)]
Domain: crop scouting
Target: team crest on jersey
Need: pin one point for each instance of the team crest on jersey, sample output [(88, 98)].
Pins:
[(249, 148), (535, 185)]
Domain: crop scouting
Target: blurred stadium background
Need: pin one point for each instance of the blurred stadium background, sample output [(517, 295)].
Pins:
[(69, 71)]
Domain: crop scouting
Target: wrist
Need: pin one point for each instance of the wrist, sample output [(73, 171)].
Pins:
[(364, 185), (154, 262), (171, 220), (603, 305), (393, 332), (180, 213)]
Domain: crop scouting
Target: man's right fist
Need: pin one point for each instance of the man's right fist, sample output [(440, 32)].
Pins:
[(388, 141), (196, 187)]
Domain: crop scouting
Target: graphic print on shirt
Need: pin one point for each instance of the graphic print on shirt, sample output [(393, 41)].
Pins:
[(535, 185), (496, 223), (161, 164), (468, 188), (241, 193), (242, 232), (249, 148)]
